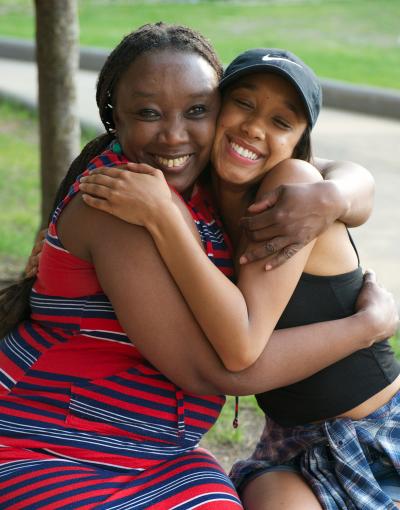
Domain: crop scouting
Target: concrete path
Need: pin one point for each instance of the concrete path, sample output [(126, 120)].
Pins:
[(372, 141)]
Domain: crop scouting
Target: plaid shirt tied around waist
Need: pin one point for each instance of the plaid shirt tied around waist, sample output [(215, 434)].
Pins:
[(333, 456)]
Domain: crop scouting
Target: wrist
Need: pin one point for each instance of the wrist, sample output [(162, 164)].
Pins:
[(163, 218)]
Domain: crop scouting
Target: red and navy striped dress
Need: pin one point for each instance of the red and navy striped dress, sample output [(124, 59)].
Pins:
[(85, 421)]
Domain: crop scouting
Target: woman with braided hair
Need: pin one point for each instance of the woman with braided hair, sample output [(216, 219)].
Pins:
[(110, 383)]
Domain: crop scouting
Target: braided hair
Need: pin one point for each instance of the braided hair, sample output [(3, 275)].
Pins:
[(14, 300), (150, 37)]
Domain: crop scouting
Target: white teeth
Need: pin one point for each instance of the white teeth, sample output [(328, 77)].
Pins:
[(172, 162), (243, 152)]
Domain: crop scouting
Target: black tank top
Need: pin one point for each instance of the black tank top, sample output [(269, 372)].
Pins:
[(344, 384)]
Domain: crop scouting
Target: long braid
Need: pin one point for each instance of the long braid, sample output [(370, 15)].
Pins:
[(91, 150), (14, 300)]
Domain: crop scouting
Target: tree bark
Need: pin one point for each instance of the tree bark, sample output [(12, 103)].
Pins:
[(57, 53)]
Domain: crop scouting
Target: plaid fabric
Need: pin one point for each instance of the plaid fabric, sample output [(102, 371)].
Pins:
[(333, 456)]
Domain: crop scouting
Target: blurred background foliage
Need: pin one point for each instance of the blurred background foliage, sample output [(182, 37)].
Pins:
[(351, 40)]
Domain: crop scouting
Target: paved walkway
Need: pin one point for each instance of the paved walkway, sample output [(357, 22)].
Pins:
[(374, 142)]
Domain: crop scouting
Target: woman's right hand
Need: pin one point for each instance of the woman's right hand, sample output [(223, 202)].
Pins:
[(135, 193), (379, 309)]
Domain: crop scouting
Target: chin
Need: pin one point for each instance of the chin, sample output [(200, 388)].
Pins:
[(235, 178), (182, 185)]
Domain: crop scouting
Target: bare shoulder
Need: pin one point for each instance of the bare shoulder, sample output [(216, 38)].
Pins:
[(88, 233), (84, 230), (290, 171)]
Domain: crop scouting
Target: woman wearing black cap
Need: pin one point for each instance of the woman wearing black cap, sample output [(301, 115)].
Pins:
[(331, 430)]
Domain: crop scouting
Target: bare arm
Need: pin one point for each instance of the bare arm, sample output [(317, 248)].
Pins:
[(289, 217), (173, 342), (355, 188), (238, 320)]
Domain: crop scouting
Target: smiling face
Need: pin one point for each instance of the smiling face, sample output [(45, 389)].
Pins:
[(261, 121), (165, 112)]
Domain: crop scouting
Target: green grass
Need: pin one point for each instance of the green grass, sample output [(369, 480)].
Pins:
[(351, 40), (395, 343), (223, 431), (19, 180)]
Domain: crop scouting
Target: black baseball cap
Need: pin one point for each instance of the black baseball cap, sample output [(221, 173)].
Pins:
[(285, 63)]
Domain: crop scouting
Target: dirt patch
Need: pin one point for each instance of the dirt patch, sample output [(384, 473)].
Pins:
[(251, 423), (10, 270)]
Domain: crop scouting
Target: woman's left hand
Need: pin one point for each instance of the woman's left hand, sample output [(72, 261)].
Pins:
[(32, 265), (134, 192), (288, 218)]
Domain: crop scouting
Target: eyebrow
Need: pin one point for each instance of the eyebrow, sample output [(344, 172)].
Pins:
[(141, 93), (293, 108), (244, 85), (146, 94), (251, 86)]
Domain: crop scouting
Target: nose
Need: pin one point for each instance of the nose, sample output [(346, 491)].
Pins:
[(174, 131), (254, 128)]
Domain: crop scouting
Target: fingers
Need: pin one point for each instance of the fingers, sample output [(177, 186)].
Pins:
[(268, 200), (277, 250), (97, 190), (100, 178), (106, 170), (115, 172), (369, 276), (141, 168), (260, 221), (97, 203), (273, 216), (266, 234), (113, 177), (33, 261), (103, 184), (282, 256)]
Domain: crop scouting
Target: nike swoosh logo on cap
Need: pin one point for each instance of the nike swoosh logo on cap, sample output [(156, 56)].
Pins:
[(270, 57)]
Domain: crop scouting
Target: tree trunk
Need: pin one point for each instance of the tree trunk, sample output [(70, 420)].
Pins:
[(57, 53)]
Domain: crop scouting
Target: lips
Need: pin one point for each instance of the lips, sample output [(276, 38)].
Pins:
[(244, 151), (172, 162)]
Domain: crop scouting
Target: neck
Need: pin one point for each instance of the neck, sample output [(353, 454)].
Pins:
[(233, 202)]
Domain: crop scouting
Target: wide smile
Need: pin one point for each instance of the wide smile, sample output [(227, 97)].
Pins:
[(172, 163), (243, 152)]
